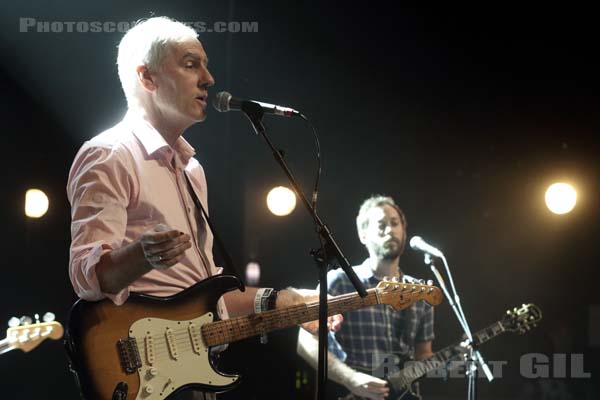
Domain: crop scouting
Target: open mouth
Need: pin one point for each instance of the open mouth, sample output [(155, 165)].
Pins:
[(202, 99)]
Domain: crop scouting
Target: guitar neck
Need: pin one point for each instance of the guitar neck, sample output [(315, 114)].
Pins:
[(419, 369), (231, 330), (5, 346)]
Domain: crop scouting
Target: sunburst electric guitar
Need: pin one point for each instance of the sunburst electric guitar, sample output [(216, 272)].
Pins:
[(519, 320), (152, 347)]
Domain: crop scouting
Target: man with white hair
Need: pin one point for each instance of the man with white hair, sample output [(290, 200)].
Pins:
[(135, 226)]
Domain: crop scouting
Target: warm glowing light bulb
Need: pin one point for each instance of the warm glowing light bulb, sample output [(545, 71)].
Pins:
[(252, 273), (561, 198), (281, 201), (36, 203)]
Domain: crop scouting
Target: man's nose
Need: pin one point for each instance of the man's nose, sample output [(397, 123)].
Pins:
[(206, 79)]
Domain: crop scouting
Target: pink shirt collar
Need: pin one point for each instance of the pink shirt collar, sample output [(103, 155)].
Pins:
[(154, 144)]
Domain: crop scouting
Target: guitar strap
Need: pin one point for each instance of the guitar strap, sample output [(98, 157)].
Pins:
[(224, 253)]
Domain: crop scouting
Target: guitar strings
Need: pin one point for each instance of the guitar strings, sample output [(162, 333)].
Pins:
[(216, 328), (182, 337), (225, 328)]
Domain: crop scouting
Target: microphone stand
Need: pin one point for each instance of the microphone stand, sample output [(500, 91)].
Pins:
[(473, 356), (324, 257)]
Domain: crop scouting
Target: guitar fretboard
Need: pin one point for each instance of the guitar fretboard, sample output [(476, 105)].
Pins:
[(234, 329), (418, 369)]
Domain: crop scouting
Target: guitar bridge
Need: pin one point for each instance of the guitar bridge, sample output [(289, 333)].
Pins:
[(129, 355)]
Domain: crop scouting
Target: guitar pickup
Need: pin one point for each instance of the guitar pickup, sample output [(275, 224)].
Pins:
[(170, 338), (129, 355), (195, 338)]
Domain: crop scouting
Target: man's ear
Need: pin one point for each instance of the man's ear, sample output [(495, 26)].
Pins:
[(145, 78), (362, 237)]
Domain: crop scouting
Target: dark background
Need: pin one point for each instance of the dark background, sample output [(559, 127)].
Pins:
[(463, 115)]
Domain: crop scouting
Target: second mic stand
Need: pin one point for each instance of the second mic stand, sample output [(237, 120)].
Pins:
[(473, 358), (324, 257)]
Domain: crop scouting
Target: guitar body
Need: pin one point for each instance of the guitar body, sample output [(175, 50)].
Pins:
[(398, 392), (148, 348), (403, 394)]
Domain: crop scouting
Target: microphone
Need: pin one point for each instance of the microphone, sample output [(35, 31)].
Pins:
[(224, 102), (417, 243)]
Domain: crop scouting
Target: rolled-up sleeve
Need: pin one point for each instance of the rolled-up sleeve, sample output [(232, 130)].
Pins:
[(99, 189)]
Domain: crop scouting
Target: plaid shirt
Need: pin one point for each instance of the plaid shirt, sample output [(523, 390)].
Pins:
[(370, 336)]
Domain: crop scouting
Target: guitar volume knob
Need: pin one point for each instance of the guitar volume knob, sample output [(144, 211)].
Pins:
[(152, 372)]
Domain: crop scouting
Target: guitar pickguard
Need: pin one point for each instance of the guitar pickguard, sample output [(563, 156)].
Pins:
[(173, 355)]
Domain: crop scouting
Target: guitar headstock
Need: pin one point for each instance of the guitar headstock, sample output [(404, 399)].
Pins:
[(401, 295), (27, 337), (522, 319)]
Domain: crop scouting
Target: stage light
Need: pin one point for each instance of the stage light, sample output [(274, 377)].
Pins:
[(36, 203), (281, 201), (561, 198), (253, 273)]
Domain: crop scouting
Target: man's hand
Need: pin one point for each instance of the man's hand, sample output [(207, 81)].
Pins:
[(368, 386), (334, 323), (164, 248), (289, 297)]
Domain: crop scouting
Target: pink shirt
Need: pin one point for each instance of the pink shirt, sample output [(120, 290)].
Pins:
[(124, 182)]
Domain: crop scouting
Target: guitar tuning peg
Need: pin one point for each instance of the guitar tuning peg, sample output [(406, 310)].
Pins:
[(395, 279), (385, 278), (13, 322), (429, 282), (37, 318), (49, 317), (25, 320)]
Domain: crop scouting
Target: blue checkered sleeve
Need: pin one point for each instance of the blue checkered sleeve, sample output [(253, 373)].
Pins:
[(425, 328)]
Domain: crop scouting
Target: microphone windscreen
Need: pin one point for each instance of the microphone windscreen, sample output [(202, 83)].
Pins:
[(415, 241), (221, 101)]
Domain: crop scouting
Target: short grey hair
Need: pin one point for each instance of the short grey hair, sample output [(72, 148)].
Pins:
[(146, 43), (362, 219)]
